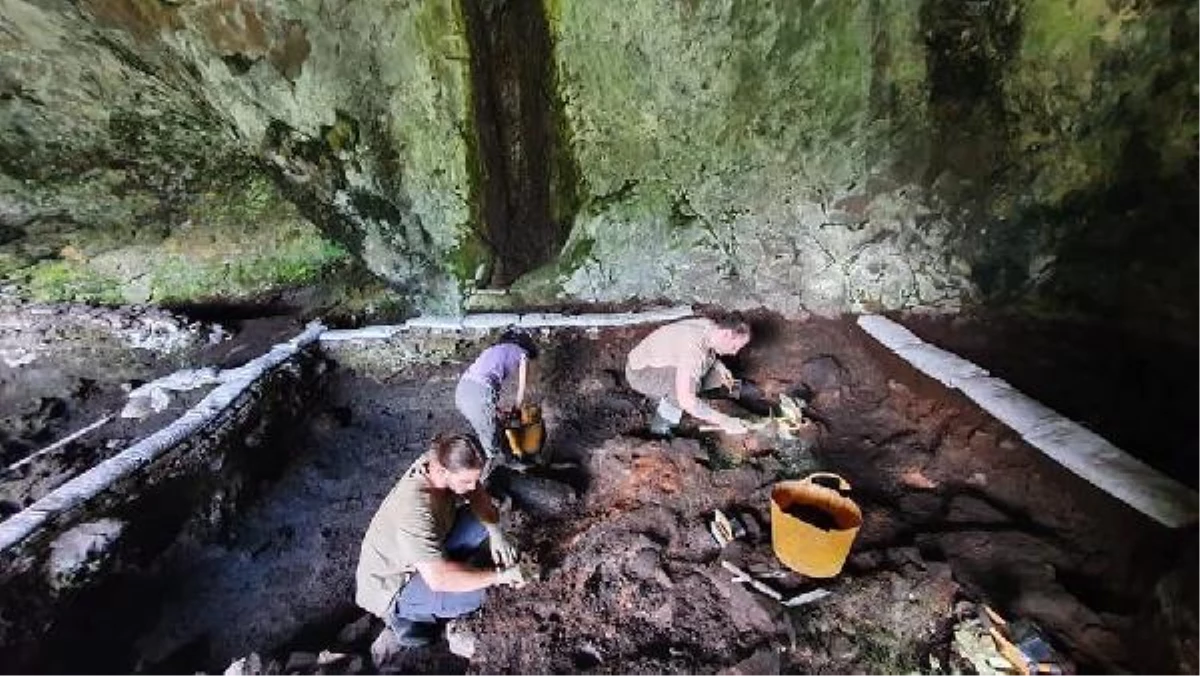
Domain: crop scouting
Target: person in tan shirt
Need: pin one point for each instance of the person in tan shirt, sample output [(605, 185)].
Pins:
[(678, 361), (412, 569)]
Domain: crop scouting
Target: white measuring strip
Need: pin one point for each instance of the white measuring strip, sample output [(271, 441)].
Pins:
[(499, 320), (1067, 442)]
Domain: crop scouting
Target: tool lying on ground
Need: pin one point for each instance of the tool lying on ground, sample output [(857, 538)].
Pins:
[(742, 576), (525, 431), (1022, 644), (725, 529)]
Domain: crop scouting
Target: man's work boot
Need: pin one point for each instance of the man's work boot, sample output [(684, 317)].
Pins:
[(660, 427), (413, 634), (666, 417)]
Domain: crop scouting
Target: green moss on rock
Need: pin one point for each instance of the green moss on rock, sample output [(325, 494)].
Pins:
[(63, 281)]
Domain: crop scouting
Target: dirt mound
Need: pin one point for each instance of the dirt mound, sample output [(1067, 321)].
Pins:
[(632, 582)]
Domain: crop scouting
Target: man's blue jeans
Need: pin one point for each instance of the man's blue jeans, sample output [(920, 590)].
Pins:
[(418, 603)]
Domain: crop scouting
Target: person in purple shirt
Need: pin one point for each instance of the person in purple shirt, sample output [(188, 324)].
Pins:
[(478, 390)]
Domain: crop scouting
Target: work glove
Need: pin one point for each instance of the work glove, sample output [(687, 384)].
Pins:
[(504, 553)]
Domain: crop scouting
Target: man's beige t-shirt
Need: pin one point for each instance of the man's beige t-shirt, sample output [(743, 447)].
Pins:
[(410, 526), (683, 345)]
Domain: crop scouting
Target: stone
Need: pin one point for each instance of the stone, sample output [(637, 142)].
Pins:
[(763, 661), (460, 639), (81, 551), (251, 665)]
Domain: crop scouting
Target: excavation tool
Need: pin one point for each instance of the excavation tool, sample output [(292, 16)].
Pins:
[(743, 576), (1022, 644), (725, 529)]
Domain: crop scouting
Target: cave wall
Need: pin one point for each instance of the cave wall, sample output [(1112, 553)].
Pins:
[(221, 148), (872, 155), (798, 154)]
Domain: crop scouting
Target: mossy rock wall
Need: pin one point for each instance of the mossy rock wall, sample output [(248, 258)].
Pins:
[(742, 153), (163, 152), (871, 155), (804, 155)]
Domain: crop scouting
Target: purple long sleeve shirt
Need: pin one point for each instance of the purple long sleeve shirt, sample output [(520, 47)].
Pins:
[(495, 364)]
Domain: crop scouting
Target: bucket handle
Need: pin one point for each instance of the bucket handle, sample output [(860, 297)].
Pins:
[(837, 482)]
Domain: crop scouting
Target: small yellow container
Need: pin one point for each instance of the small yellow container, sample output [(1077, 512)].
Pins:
[(814, 524), (526, 437)]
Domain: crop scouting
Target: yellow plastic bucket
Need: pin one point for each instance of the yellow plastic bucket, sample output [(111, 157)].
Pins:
[(813, 524), (525, 436)]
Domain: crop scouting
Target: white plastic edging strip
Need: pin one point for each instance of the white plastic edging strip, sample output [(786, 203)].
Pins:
[(92, 482), (496, 320), (1065, 441), (377, 332)]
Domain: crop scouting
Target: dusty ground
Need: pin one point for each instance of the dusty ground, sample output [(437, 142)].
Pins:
[(954, 507)]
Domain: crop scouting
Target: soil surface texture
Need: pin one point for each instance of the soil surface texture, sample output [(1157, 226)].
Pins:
[(955, 508)]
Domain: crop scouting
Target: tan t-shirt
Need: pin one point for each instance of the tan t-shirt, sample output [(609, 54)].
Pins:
[(410, 526), (682, 345)]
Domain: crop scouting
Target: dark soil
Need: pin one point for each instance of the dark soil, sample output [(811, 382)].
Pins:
[(1138, 391), (954, 506), (83, 374)]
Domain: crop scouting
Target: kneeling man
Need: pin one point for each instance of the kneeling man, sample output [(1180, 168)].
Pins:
[(676, 362), (413, 569)]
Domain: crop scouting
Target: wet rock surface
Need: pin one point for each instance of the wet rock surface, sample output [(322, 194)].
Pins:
[(954, 507)]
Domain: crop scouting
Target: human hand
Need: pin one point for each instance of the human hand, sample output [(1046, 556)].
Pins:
[(504, 552), (513, 576)]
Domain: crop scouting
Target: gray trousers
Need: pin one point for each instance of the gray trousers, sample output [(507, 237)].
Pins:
[(658, 383), (477, 402)]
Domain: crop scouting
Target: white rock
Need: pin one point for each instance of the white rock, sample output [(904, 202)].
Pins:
[(460, 640), (80, 551), (250, 665)]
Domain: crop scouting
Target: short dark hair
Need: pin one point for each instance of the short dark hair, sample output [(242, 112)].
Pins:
[(520, 339), (457, 452), (735, 322)]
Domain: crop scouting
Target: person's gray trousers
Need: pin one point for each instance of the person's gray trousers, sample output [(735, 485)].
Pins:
[(477, 402), (658, 383)]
